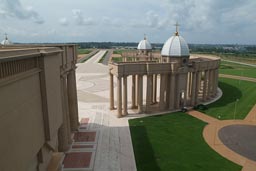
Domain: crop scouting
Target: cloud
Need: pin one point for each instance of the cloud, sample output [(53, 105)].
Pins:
[(80, 19), (211, 14), (14, 9), (63, 21)]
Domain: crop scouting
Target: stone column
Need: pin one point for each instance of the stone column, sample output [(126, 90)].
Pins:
[(177, 92), (111, 91), (216, 81), (64, 134), (72, 100), (133, 91), (193, 89), (155, 89), (140, 93), (213, 83), (172, 92), (167, 90), (136, 90), (209, 84), (162, 92), (205, 88), (189, 84), (185, 94), (198, 82), (125, 95), (119, 96), (149, 92)]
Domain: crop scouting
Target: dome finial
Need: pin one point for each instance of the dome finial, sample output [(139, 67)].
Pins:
[(177, 28), (145, 36), (6, 36)]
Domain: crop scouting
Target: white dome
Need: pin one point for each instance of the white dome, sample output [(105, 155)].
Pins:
[(144, 45), (6, 41), (175, 46)]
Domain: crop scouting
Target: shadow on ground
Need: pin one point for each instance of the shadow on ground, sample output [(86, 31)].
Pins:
[(230, 95)]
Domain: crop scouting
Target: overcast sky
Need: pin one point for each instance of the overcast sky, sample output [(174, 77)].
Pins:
[(202, 21)]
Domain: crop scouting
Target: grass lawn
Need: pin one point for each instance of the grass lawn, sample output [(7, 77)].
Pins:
[(118, 51), (237, 69), (117, 59), (228, 107), (84, 51), (174, 142)]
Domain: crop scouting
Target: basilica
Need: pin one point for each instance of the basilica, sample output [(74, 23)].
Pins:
[(166, 81)]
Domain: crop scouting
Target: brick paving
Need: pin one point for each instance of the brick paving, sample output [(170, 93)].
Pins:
[(80, 156), (77, 160), (84, 136), (81, 146)]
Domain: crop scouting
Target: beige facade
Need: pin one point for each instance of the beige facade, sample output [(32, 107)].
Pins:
[(38, 106), (182, 83)]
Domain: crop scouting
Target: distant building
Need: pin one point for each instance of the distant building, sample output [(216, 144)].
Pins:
[(144, 46), (6, 41)]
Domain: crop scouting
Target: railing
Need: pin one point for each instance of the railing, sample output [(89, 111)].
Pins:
[(9, 68)]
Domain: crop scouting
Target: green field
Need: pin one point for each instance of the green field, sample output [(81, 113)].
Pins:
[(84, 51), (174, 142), (118, 52), (237, 69), (117, 59), (103, 57), (237, 100)]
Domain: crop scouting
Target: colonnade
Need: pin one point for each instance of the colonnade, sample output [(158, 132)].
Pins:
[(164, 91), (69, 108), (202, 86)]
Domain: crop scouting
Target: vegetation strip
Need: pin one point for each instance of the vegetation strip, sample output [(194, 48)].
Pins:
[(237, 69), (103, 57), (88, 56), (84, 51)]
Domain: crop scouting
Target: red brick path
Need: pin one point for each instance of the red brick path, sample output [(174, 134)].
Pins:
[(77, 160), (84, 136)]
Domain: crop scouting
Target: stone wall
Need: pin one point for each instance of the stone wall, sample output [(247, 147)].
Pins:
[(38, 106)]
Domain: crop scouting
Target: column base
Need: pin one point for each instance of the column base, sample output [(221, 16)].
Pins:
[(112, 108), (134, 107)]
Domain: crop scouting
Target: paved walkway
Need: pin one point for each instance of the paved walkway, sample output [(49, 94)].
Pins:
[(252, 65), (211, 136), (112, 149), (238, 77)]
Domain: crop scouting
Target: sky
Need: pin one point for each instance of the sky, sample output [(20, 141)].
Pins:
[(201, 21)]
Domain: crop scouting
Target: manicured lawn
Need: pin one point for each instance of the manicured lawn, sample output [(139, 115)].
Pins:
[(228, 107), (174, 142), (237, 69)]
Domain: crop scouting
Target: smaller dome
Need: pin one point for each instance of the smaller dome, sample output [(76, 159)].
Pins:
[(6, 41), (175, 46), (144, 45)]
